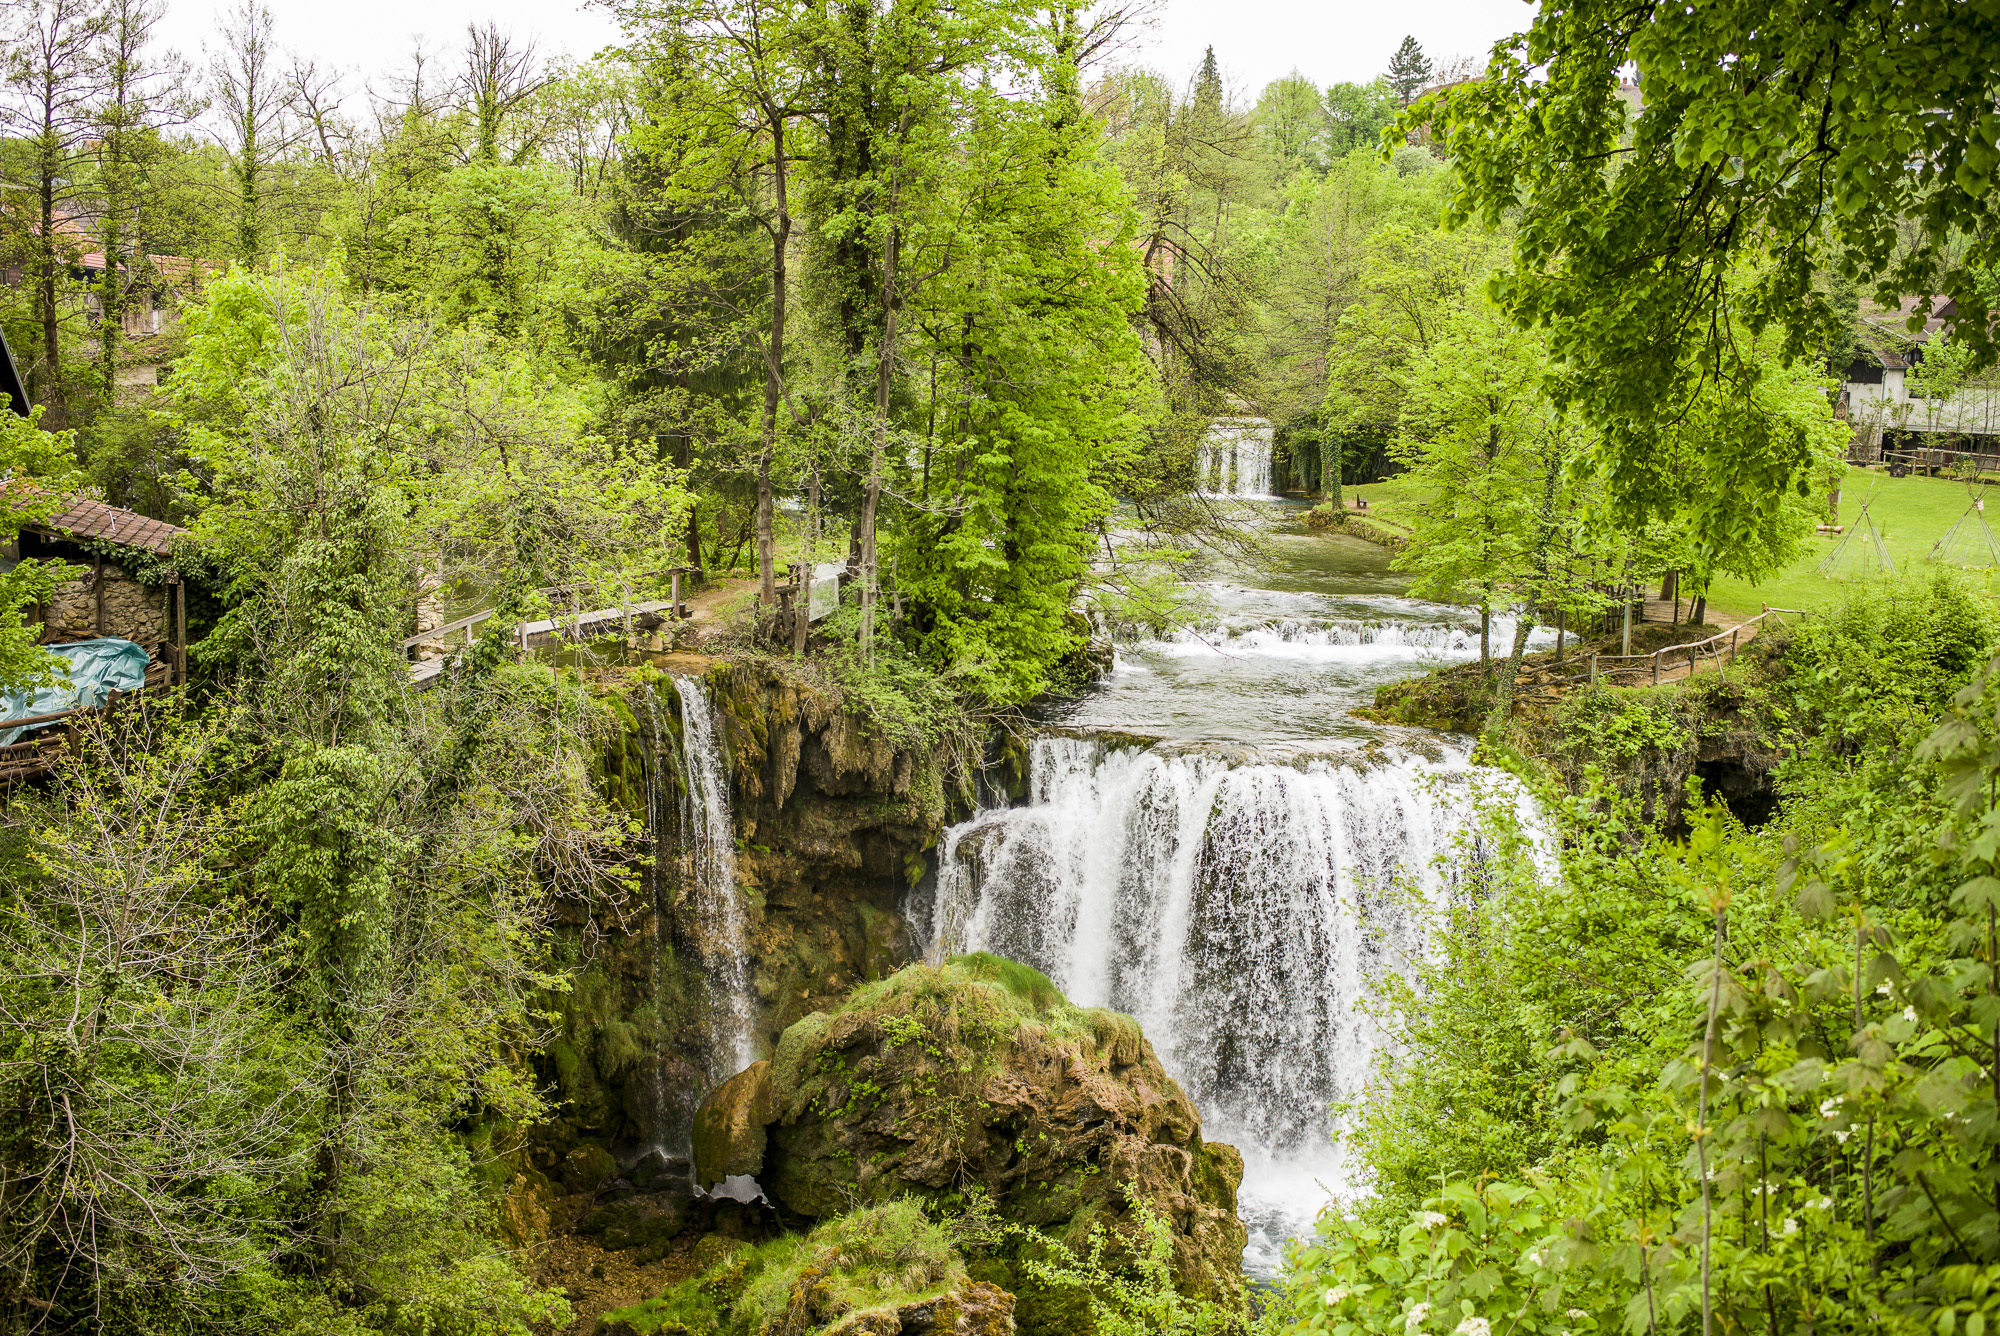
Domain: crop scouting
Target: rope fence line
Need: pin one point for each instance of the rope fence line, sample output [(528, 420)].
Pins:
[(1720, 648)]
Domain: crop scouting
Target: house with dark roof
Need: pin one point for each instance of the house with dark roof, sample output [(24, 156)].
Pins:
[(1900, 414)]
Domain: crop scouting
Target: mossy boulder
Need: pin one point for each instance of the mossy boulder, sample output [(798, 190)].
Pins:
[(885, 1270), (979, 1076)]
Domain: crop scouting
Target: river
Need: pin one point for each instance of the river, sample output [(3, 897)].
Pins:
[(1213, 844)]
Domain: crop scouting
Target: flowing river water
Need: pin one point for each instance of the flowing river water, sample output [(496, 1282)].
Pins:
[(1213, 844)]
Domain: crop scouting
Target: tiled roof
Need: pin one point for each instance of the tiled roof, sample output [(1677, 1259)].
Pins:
[(83, 518)]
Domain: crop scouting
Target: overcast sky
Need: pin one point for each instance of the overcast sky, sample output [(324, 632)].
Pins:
[(1255, 40)]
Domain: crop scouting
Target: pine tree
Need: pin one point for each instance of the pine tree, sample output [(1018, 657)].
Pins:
[(1208, 83), (1409, 71)]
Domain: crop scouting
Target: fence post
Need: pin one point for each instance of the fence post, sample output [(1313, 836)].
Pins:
[(1732, 643), (1593, 670), (1656, 667)]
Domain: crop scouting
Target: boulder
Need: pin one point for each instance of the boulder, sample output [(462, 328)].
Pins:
[(979, 1075), (656, 1168), (584, 1168), (729, 1133)]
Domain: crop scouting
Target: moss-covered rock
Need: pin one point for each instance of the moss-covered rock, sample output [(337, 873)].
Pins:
[(887, 1270), (980, 1075)]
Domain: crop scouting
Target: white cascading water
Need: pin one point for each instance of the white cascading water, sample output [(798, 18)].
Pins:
[(1239, 913), (718, 906), (1382, 640), (1235, 459)]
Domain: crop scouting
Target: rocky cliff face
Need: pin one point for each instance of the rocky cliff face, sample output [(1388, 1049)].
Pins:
[(832, 822), (978, 1080), (836, 819)]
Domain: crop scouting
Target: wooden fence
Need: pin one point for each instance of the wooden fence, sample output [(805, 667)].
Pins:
[(1720, 650)]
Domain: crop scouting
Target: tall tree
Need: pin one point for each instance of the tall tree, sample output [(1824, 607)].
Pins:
[(1208, 94), (1409, 71), (249, 89), (1292, 121), (499, 76), (57, 77), (139, 89), (748, 77)]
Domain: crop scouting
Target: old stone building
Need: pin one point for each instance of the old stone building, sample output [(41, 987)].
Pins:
[(108, 599)]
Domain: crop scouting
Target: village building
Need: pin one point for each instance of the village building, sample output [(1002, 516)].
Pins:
[(109, 599), (1902, 417)]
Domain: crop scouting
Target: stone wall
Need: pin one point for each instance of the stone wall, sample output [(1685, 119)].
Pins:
[(132, 611)]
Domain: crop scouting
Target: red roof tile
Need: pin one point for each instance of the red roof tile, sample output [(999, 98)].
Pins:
[(83, 518)]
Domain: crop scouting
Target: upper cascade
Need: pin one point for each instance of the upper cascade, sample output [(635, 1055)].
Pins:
[(1235, 459)]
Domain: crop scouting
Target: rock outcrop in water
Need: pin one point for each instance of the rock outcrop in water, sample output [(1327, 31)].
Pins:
[(944, 1082)]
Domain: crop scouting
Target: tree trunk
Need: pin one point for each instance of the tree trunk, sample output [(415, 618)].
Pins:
[(1503, 694), (45, 289), (694, 540), (885, 364), (1485, 638), (774, 362), (1330, 471)]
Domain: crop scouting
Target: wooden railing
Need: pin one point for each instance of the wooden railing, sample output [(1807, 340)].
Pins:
[(1720, 647), (573, 623)]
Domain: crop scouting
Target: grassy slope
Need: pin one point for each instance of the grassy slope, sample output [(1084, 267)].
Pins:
[(1912, 512)]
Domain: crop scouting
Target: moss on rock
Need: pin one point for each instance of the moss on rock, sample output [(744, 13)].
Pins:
[(980, 1075), (881, 1271)]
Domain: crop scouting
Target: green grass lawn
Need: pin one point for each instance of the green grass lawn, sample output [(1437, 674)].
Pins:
[(1912, 513)]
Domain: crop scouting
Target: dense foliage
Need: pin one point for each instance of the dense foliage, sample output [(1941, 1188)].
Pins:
[(1744, 1075)]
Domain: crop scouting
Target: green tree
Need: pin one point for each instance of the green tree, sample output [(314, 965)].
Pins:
[(1292, 121), (1409, 71), (1357, 114), (257, 120), (1875, 150), (1491, 490), (141, 95), (54, 67)]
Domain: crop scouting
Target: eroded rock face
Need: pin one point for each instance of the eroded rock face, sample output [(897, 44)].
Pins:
[(978, 1075)]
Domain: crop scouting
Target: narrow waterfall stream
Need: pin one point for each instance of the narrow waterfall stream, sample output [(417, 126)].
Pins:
[(718, 906), (1236, 882)]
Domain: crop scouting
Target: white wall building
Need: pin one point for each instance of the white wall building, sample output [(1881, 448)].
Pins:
[(1894, 412)]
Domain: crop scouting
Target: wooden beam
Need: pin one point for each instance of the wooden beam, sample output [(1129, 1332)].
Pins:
[(180, 632)]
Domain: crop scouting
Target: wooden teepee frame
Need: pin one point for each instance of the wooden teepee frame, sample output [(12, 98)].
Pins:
[(1860, 551), (1970, 541)]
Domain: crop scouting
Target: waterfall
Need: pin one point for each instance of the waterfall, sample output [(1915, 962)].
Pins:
[(1235, 459), (718, 919), (1239, 913)]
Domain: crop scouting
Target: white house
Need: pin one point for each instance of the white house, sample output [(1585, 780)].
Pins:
[(1912, 414)]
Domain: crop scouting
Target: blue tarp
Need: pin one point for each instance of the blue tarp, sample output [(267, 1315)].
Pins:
[(96, 668)]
